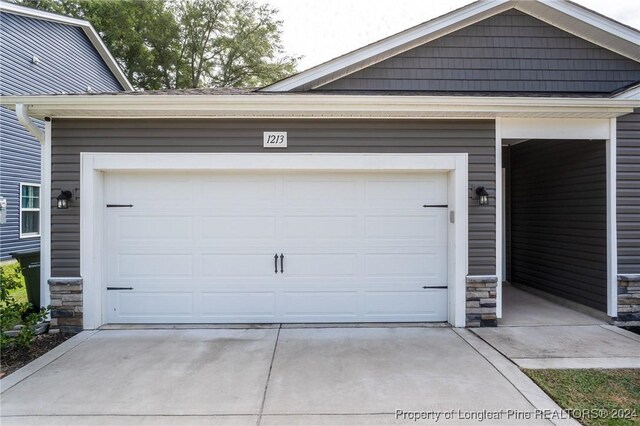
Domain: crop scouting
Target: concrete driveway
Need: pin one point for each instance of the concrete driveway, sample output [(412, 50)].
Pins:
[(269, 376)]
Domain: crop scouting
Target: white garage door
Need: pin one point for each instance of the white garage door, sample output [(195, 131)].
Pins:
[(267, 247)]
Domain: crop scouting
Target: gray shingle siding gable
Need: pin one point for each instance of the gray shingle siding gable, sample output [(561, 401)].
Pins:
[(509, 52), (628, 194), (19, 162), (68, 60)]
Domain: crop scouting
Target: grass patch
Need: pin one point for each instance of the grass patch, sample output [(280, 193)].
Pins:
[(617, 391), (20, 293)]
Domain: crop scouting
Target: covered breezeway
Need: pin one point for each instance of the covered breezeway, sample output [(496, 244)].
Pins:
[(556, 219), (557, 207)]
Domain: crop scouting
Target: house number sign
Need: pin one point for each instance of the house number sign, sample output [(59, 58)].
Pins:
[(274, 140)]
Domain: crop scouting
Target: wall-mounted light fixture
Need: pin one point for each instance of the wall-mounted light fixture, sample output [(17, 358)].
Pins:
[(483, 196), (63, 199)]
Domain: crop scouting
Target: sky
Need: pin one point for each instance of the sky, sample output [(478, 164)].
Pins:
[(320, 30)]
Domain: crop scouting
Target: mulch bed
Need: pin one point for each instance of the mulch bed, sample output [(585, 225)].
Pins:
[(633, 329), (13, 359)]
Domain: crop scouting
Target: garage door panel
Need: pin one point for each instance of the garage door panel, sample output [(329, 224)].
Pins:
[(237, 265), (427, 304), (153, 304), (319, 192), (238, 304), (240, 191), (425, 265), (165, 265), (150, 189), (319, 227), (321, 265), (431, 227), (153, 228), (237, 227), (357, 247), (406, 192), (320, 304)]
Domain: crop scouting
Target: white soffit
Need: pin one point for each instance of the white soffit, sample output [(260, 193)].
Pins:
[(565, 15), (86, 26)]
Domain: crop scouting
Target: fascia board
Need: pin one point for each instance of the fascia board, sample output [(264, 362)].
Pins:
[(316, 106)]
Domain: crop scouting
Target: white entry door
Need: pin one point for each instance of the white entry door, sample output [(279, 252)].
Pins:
[(276, 247)]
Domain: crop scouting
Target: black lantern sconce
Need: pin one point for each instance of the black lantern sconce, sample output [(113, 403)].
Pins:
[(63, 199), (482, 195)]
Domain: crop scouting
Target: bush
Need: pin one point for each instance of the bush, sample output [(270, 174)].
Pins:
[(13, 312)]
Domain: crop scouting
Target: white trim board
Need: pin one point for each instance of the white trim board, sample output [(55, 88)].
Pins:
[(86, 26), (94, 165), (612, 221), (631, 93), (499, 217), (554, 128)]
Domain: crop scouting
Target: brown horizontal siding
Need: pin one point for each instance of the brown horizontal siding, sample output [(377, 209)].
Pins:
[(71, 137), (628, 193), (559, 220)]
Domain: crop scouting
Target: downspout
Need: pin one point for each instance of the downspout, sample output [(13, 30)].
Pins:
[(22, 111)]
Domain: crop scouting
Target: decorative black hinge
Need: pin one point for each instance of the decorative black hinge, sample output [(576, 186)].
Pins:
[(119, 205)]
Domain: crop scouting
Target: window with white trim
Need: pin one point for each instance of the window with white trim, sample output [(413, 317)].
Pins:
[(29, 210)]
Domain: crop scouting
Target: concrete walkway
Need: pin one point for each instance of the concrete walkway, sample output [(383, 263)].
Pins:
[(272, 376), (537, 333), (521, 308)]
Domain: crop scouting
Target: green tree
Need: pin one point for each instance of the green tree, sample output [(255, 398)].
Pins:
[(230, 44), (202, 24), (186, 43)]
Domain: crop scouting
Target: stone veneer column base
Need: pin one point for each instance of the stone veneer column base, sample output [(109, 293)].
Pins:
[(66, 304), (628, 300), (481, 301)]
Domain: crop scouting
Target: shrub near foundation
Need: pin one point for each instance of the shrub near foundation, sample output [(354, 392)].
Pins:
[(14, 311)]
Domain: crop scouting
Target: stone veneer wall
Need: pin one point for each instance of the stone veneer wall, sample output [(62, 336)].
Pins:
[(66, 304), (628, 300), (481, 301)]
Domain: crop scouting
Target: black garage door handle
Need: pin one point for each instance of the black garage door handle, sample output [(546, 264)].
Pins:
[(275, 262), (281, 263)]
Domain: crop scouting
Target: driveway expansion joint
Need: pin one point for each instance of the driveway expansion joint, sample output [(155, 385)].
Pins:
[(266, 385)]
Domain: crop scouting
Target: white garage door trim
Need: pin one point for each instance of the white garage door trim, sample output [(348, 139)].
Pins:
[(92, 225)]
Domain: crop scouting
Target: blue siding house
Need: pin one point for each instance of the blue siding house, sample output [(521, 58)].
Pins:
[(40, 53)]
